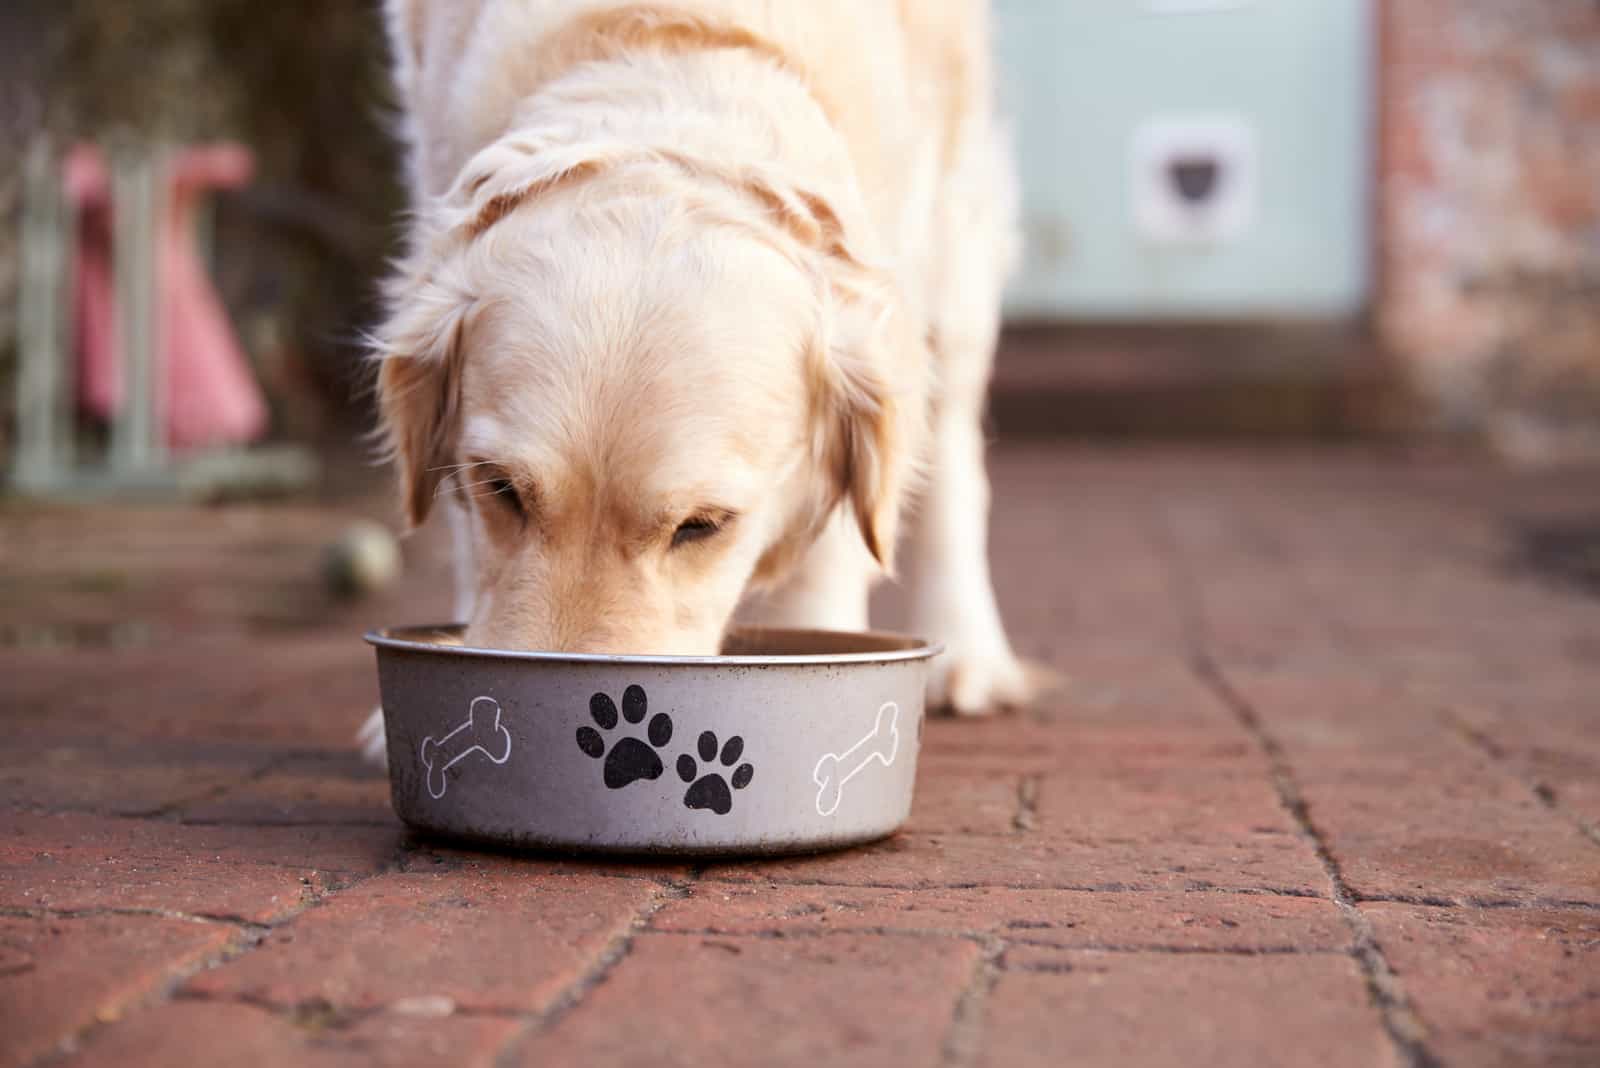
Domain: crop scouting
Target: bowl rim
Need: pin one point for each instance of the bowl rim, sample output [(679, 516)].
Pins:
[(901, 647)]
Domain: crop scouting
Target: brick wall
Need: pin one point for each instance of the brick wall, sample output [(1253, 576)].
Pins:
[(1489, 237)]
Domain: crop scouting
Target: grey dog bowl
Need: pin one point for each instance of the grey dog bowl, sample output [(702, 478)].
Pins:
[(792, 741)]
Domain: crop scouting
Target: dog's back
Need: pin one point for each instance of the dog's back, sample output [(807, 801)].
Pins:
[(899, 78)]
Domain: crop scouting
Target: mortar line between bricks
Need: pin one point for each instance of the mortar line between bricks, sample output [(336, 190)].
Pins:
[(1070, 888), (1384, 988), (410, 848), (616, 950), (1026, 817), (779, 934), (1181, 951), (318, 1009), (178, 819), (1487, 903), (207, 918), (963, 1038), (1064, 966), (1541, 791), (339, 1015), (171, 809), (1008, 940)]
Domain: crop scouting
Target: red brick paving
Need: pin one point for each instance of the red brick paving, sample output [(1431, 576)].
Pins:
[(1322, 787)]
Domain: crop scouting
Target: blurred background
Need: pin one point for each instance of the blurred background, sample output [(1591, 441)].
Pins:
[(1364, 216), (1255, 220)]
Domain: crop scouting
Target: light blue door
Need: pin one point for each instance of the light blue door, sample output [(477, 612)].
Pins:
[(1189, 158)]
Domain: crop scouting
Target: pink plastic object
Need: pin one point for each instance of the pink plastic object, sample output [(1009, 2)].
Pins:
[(211, 397)]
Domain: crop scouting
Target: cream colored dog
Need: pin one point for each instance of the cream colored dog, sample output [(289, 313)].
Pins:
[(697, 297)]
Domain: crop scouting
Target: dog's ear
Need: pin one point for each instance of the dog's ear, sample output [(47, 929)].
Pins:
[(431, 303), (868, 373), (419, 390), (865, 425)]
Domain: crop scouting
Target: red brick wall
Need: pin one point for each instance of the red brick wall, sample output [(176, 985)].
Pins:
[(1489, 233)]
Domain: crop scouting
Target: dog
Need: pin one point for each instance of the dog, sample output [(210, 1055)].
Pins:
[(698, 297)]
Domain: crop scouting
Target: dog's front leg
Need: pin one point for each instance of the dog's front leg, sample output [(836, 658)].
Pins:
[(463, 574), (951, 593), (950, 589)]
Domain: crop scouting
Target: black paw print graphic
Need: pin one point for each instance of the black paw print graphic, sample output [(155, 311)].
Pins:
[(629, 759), (711, 790)]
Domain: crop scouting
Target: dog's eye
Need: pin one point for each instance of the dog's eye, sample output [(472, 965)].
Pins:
[(506, 493), (698, 528), (502, 492)]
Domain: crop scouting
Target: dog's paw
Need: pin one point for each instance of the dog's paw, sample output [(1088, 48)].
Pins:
[(374, 745), (969, 682)]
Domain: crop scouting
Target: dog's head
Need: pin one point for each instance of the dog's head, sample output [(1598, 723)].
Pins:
[(649, 382)]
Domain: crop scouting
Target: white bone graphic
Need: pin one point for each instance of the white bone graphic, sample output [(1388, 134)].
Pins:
[(881, 745), (481, 733)]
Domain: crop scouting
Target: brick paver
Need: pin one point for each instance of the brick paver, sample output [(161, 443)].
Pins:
[(1074, 919), (202, 1032), (1322, 786), (1052, 1008), (845, 999), (72, 862), (440, 935), (1499, 986)]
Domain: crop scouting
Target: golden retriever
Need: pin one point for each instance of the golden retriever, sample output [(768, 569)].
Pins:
[(698, 296)]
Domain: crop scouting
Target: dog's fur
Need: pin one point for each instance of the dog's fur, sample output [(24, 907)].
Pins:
[(697, 295)]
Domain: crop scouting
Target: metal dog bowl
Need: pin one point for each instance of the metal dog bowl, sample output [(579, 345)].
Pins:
[(792, 741)]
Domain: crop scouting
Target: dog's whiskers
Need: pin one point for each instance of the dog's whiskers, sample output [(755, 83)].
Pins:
[(485, 482), (448, 483), (458, 467)]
